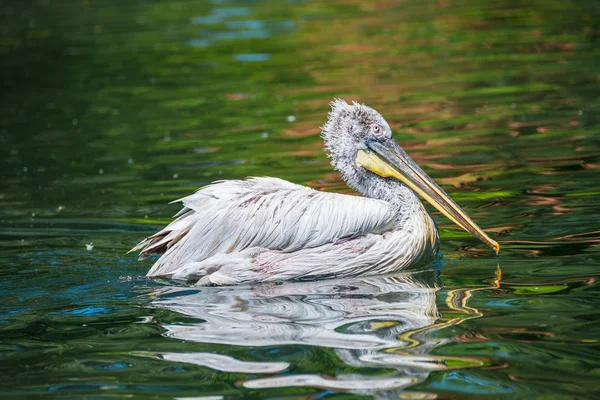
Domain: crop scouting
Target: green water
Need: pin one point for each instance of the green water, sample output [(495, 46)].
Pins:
[(112, 109)]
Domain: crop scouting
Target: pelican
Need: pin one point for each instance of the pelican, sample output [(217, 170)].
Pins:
[(269, 230)]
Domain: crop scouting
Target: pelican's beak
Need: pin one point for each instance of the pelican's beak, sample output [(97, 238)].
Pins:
[(388, 159)]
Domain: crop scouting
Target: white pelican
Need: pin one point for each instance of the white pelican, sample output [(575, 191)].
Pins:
[(268, 229)]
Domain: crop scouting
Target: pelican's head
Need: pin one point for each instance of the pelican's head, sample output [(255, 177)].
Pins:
[(361, 147)]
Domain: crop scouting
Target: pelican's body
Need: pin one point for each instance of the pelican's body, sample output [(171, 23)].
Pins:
[(268, 229)]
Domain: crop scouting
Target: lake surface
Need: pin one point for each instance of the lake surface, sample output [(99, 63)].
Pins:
[(111, 110)]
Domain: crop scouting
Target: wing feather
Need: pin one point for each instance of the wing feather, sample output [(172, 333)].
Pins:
[(230, 216)]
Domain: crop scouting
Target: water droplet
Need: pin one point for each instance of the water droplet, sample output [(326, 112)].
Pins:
[(264, 135), (175, 176), (291, 118), (100, 171)]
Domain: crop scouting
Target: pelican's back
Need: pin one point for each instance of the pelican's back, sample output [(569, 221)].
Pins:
[(230, 216)]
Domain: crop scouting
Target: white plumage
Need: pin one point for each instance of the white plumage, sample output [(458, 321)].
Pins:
[(268, 229), (265, 223)]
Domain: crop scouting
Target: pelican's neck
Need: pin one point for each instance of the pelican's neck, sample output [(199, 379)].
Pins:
[(389, 190), (412, 218), (371, 185), (411, 214)]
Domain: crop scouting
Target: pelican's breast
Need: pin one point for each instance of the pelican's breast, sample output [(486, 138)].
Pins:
[(429, 238), (414, 242)]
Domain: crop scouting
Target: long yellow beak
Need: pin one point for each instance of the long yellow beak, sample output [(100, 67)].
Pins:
[(388, 159)]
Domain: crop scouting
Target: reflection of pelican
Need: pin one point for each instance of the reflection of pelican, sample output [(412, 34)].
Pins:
[(308, 313), (361, 319), (267, 229)]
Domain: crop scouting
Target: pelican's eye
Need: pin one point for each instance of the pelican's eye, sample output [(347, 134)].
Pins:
[(377, 129)]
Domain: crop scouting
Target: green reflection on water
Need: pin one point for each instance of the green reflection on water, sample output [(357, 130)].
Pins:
[(109, 111)]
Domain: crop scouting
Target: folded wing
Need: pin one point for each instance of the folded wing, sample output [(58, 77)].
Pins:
[(230, 216)]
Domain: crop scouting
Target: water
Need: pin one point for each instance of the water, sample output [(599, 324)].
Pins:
[(109, 111)]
